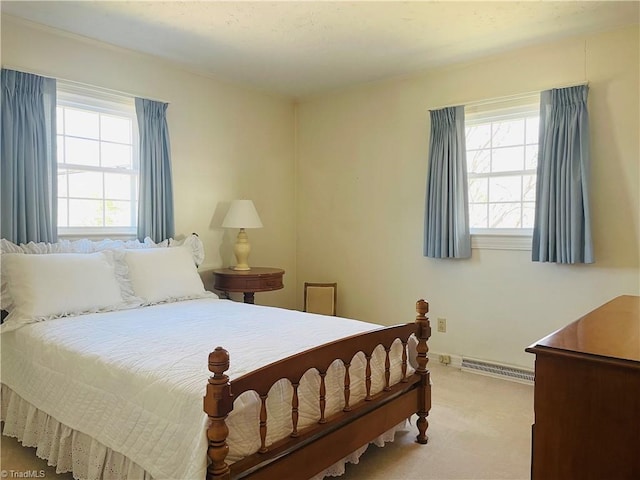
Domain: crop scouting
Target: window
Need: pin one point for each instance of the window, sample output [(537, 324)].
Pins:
[(502, 155), (97, 162)]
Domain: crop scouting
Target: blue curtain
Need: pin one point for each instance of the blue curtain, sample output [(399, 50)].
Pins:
[(155, 204), (28, 158), (446, 224), (562, 229)]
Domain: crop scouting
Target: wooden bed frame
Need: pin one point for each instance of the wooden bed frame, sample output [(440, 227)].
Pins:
[(309, 451)]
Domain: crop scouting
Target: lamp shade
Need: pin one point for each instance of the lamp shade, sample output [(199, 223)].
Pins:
[(242, 214)]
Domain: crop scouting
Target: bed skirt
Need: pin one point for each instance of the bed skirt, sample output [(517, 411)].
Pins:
[(66, 449), (73, 451), (338, 468)]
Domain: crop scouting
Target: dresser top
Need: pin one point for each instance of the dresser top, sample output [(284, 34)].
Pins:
[(611, 330)]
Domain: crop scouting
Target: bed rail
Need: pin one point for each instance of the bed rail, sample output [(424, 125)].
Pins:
[(340, 433)]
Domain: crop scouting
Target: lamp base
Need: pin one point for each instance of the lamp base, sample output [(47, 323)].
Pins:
[(240, 268), (241, 250)]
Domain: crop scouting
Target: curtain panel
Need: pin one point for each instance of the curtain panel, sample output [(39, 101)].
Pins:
[(155, 204), (446, 224), (28, 158), (562, 228)]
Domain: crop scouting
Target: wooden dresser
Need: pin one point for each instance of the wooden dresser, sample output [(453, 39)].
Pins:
[(587, 397)]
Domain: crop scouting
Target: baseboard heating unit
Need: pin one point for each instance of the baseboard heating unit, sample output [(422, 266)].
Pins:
[(497, 370)]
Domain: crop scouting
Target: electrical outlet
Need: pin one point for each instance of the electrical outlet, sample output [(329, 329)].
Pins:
[(442, 325), (445, 359)]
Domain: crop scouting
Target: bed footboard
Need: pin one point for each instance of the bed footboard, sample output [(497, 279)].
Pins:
[(310, 450)]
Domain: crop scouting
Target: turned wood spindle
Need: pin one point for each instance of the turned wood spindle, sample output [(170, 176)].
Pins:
[(347, 388), (367, 378), (387, 369), (294, 409), (404, 362), (263, 424), (423, 332), (217, 405), (323, 399)]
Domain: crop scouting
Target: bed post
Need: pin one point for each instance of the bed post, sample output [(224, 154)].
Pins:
[(218, 404), (423, 332)]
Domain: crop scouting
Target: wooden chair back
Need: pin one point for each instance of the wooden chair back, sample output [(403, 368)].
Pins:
[(320, 298)]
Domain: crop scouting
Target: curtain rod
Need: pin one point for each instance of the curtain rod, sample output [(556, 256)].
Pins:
[(82, 84), (506, 97)]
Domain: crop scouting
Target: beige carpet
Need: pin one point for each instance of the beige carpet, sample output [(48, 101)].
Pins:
[(479, 428)]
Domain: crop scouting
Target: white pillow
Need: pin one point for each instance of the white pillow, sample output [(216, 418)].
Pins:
[(60, 284), (195, 245), (192, 242), (88, 246), (65, 246), (164, 274)]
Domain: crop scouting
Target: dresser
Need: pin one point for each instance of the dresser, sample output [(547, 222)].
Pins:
[(587, 397)]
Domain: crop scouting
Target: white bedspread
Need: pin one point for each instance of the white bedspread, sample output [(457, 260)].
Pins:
[(134, 380)]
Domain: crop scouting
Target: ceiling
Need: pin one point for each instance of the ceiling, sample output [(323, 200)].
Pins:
[(304, 47)]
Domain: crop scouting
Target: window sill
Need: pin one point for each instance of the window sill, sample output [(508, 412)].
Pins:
[(95, 234), (500, 241)]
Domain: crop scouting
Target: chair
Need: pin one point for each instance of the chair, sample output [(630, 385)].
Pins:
[(320, 298)]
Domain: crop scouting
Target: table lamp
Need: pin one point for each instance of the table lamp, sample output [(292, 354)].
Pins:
[(242, 214)]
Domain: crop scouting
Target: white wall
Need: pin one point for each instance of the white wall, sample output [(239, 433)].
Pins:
[(357, 160), (362, 164), (227, 142)]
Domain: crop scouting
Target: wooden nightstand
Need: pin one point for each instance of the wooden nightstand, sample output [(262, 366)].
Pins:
[(258, 279)]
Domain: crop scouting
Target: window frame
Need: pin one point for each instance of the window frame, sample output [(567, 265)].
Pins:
[(508, 108), (93, 99)]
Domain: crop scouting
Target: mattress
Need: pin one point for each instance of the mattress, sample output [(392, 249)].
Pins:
[(134, 379)]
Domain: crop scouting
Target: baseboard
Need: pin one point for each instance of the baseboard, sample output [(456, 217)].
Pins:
[(484, 367)]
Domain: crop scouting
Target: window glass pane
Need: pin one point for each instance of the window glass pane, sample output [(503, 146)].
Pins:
[(531, 157), (478, 215), (502, 159), (59, 120), (528, 214), (479, 161), (117, 214), (504, 215), (95, 144), (60, 147), (508, 133), (529, 188), (533, 125), (82, 152), (81, 123), (505, 189), (117, 186), (478, 136), (63, 218), (116, 155), (478, 190), (507, 159), (85, 184), (85, 213), (115, 129), (62, 183)]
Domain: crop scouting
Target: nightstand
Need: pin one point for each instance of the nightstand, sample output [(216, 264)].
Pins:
[(258, 279)]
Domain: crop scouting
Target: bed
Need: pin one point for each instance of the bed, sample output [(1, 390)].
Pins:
[(116, 390)]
